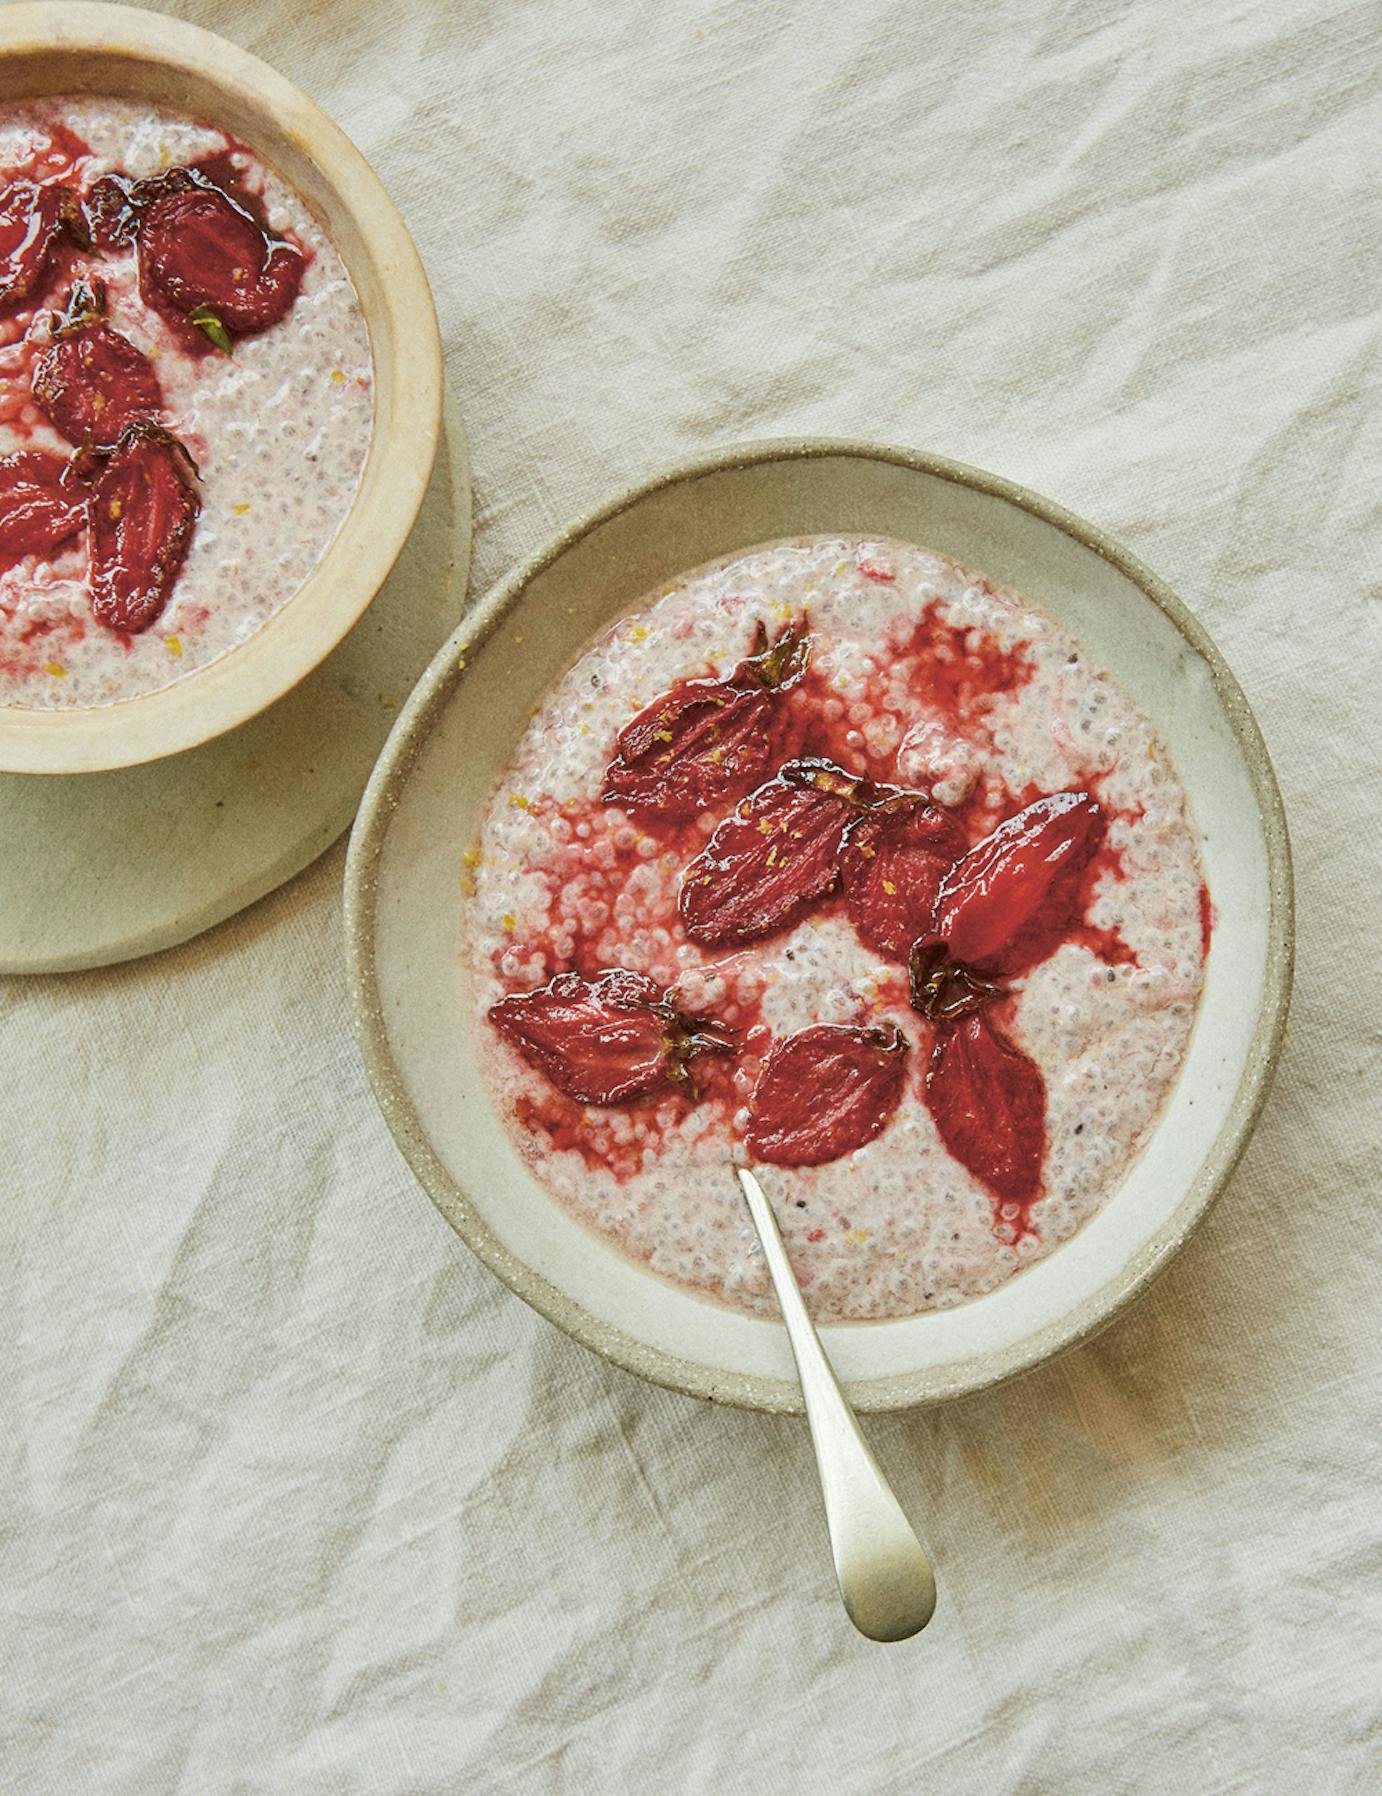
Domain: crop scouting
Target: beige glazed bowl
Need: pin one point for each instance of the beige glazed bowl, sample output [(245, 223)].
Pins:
[(119, 51), (459, 731)]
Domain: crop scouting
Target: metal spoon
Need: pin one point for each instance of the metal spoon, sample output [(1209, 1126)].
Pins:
[(885, 1577)]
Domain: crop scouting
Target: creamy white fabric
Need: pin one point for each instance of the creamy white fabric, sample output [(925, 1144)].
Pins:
[(296, 1498)]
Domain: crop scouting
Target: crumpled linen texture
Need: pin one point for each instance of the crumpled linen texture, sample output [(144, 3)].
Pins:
[(296, 1497)]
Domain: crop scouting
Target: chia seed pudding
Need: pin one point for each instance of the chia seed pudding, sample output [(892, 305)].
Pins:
[(278, 429), (921, 676)]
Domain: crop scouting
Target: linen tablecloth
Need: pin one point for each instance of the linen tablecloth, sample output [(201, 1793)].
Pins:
[(296, 1497)]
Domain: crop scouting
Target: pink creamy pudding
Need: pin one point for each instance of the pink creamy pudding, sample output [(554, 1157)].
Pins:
[(278, 429), (984, 1088)]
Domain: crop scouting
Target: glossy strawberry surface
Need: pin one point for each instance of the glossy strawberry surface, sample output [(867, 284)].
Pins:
[(1006, 904), (774, 856), (198, 248), (606, 1040), (42, 504), (91, 381), (892, 861), (989, 1104), (32, 219), (825, 1091), (142, 513), (705, 742)]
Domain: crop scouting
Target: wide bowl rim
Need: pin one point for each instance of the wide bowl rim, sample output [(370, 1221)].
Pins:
[(405, 343), (900, 1390)]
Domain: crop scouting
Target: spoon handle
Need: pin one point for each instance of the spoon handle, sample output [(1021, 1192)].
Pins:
[(885, 1577)]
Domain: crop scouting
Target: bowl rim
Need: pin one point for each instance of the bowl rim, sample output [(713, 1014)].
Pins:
[(899, 1390), (405, 342)]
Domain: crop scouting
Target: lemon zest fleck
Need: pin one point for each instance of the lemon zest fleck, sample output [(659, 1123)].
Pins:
[(56, 668), (173, 646)]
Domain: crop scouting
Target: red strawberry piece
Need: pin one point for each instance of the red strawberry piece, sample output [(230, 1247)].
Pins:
[(141, 515), (773, 856), (91, 381), (42, 504), (32, 218), (892, 862), (989, 1105), (706, 740), (605, 1041), (199, 250), (111, 207), (1005, 905), (825, 1091)]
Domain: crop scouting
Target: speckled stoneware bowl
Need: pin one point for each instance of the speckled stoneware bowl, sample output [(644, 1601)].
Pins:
[(70, 47), (458, 731)]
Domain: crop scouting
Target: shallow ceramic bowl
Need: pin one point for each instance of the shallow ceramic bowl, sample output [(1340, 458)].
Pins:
[(128, 54), (459, 730)]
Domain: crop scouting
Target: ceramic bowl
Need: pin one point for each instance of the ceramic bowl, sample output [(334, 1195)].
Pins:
[(457, 733), (125, 53)]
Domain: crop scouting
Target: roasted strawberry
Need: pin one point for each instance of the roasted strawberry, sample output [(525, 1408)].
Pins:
[(989, 1105), (42, 504), (1006, 904), (32, 218), (892, 861), (91, 381), (141, 515), (609, 1040), (774, 855), (825, 1091), (706, 741), (203, 257), (113, 206)]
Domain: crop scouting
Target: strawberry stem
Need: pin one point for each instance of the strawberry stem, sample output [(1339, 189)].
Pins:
[(207, 320), (943, 989)]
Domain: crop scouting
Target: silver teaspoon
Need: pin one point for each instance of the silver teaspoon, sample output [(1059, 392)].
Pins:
[(885, 1577)]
